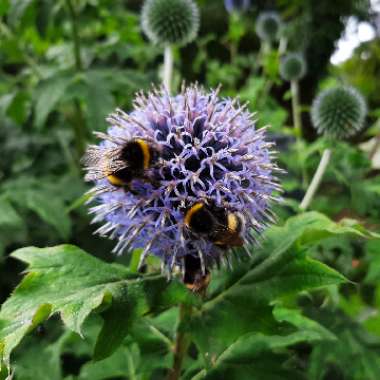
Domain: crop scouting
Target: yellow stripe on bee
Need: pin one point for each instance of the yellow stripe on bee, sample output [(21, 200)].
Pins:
[(232, 222), (232, 227), (196, 207), (146, 152), (113, 180)]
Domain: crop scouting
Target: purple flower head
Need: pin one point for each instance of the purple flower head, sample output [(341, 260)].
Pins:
[(237, 5), (204, 152)]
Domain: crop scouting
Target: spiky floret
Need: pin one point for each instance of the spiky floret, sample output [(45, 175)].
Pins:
[(237, 5), (268, 26), (339, 112), (209, 152), (168, 22), (293, 66)]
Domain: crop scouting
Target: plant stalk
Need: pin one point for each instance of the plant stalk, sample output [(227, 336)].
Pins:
[(181, 344), (297, 123), (296, 109), (79, 125), (168, 67), (75, 33), (313, 187), (375, 147)]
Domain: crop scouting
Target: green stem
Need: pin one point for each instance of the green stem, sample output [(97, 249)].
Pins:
[(65, 146), (131, 366), (168, 67), (294, 88), (75, 32), (233, 51), (375, 147), (282, 46), (314, 184), (181, 343), (297, 123), (79, 124), (160, 335)]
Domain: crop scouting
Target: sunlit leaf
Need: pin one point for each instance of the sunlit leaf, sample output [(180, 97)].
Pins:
[(66, 280)]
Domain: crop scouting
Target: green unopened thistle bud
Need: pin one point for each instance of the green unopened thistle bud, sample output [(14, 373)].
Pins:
[(339, 112), (268, 26), (293, 67), (168, 22)]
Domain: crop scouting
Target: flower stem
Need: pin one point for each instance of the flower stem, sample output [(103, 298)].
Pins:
[(282, 46), (75, 32), (296, 109), (313, 187), (181, 343), (375, 147), (79, 126), (297, 123), (168, 67)]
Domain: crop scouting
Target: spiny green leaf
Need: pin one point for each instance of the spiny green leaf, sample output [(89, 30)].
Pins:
[(265, 366), (308, 228), (293, 316), (354, 355), (242, 356), (243, 352), (313, 226), (68, 281)]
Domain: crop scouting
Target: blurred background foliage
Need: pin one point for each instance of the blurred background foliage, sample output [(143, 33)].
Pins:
[(66, 64)]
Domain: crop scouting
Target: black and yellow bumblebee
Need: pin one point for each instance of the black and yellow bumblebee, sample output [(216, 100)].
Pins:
[(123, 164), (194, 278), (216, 224), (136, 157)]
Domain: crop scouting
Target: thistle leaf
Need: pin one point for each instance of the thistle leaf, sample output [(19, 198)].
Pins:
[(66, 280)]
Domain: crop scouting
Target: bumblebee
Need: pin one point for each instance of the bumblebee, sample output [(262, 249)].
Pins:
[(121, 165), (194, 279), (217, 224)]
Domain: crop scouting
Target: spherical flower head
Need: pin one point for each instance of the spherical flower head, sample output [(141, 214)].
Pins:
[(293, 67), (237, 5), (268, 26), (339, 112), (168, 22), (209, 153)]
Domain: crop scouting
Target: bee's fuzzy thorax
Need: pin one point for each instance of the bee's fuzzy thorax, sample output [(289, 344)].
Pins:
[(209, 151)]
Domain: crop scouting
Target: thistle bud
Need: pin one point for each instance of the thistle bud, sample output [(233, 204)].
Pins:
[(168, 22), (339, 112)]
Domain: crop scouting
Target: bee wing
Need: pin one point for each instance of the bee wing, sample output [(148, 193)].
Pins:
[(99, 162)]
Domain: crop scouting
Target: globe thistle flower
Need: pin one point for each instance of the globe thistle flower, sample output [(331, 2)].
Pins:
[(168, 22), (237, 5), (208, 154), (268, 26), (293, 67), (339, 112)]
